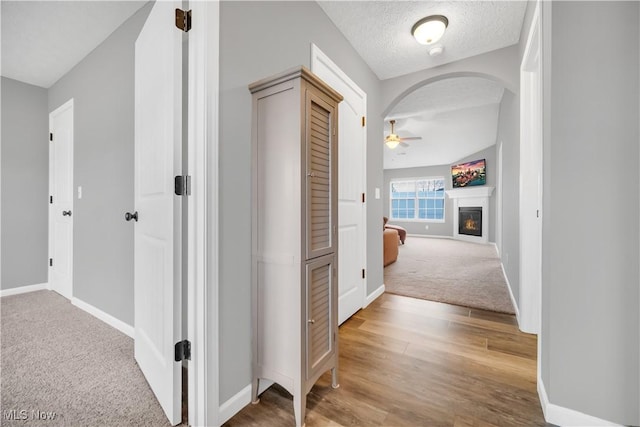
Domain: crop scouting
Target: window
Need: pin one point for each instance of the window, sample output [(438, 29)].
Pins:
[(418, 199)]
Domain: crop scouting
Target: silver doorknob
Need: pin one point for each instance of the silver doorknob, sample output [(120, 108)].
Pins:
[(66, 213)]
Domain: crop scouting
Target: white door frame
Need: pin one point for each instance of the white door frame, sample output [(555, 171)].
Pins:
[(61, 109), (499, 200), (318, 56), (530, 179), (202, 235)]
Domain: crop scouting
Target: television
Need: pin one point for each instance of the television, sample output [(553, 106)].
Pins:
[(469, 173)]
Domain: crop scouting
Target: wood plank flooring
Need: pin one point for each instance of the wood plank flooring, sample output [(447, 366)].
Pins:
[(411, 362)]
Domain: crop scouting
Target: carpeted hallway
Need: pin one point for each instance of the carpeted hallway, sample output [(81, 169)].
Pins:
[(55, 358), (451, 271)]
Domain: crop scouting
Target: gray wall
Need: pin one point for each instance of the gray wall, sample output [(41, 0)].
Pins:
[(509, 139), (102, 88), (25, 184), (590, 324), (258, 39), (442, 228)]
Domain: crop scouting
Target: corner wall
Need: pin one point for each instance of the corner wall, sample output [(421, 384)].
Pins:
[(509, 139), (25, 184)]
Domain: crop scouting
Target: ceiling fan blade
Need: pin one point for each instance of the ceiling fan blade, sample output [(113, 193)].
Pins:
[(411, 138), (403, 144)]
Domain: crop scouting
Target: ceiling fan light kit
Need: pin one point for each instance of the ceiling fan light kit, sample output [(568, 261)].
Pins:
[(430, 29)]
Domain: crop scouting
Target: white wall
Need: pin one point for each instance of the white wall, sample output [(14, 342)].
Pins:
[(591, 245), (25, 184)]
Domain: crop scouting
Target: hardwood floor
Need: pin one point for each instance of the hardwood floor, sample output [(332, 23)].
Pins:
[(411, 362)]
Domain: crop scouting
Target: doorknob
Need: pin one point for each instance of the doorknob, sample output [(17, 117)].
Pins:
[(66, 213), (129, 216)]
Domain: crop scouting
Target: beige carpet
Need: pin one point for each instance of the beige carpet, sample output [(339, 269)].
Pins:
[(57, 358), (445, 270)]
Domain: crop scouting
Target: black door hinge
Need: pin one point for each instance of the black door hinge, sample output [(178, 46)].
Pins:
[(50, 262), (363, 273), (362, 197), (183, 19), (50, 199), (50, 136), (364, 121), (182, 185), (183, 350)]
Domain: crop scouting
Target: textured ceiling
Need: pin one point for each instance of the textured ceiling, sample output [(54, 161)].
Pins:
[(455, 118), (43, 40), (381, 30)]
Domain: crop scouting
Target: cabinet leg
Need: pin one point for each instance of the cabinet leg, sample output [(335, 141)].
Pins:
[(334, 378), (254, 391), (299, 408)]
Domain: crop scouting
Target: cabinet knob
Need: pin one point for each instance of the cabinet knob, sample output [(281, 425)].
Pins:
[(312, 321), (311, 174)]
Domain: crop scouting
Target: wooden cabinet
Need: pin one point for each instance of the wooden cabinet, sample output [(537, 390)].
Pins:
[(294, 233)]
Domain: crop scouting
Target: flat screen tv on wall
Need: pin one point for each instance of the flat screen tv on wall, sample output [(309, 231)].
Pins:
[(469, 173)]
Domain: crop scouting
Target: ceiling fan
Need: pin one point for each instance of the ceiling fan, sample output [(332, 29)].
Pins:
[(392, 140)]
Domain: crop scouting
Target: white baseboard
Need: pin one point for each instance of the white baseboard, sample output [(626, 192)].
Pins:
[(373, 295), (106, 318), (239, 400), (430, 236), (23, 289), (566, 417), (513, 299)]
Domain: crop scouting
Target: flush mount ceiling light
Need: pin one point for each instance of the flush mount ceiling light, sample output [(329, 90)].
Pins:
[(429, 30)]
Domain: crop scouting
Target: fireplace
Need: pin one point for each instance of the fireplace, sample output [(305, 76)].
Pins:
[(471, 216), (470, 221)]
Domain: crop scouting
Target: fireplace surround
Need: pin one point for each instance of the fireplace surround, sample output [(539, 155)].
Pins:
[(477, 199)]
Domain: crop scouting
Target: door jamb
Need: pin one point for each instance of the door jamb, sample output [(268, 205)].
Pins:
[(202, 265)]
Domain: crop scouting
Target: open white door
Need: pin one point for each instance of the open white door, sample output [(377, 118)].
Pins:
[(158, 133), (352, 156)]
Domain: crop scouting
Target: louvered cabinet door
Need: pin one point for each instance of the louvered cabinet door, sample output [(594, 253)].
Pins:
[(321, 170), (320, 336)]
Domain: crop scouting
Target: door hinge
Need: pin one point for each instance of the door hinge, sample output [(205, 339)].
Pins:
[(364, 121), (183, 19), (363, 198), (50, 136), (50, 262), (537, 213), (50, 199), (182, 350), (182, 185), (363, 273)]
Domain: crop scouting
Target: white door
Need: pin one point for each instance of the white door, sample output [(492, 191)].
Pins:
[(61, 200), (351, 185), (158, 133)]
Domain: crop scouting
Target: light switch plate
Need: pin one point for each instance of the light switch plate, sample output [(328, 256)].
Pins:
[(377, 193)]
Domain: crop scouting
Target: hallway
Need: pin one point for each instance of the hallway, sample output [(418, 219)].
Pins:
[(410, 362)]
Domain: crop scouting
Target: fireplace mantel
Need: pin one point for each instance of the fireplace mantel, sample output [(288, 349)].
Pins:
[(458, 193), (471, 197)]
